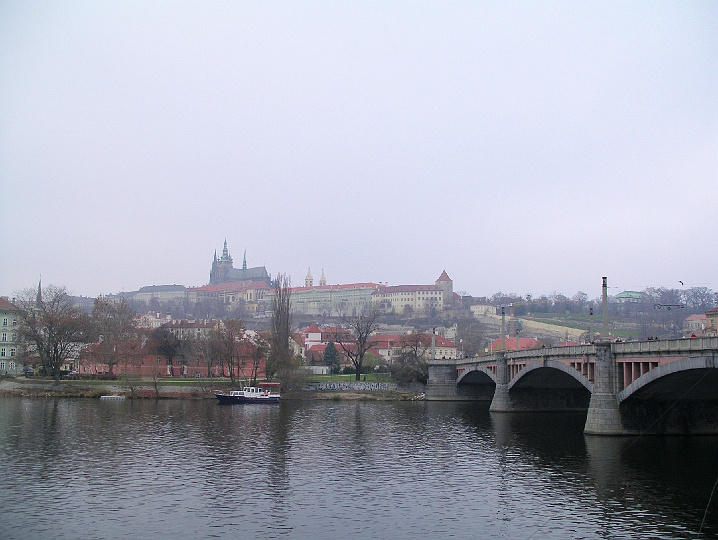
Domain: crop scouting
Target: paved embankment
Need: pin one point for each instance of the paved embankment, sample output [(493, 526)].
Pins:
[(344, 390), (41, 387)]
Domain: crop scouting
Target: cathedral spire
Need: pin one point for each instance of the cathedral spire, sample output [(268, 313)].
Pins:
[(322, 280), (308, 281), (38, 300), (244, 261)]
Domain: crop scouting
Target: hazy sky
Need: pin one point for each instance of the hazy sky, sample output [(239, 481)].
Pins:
[(526, 147)]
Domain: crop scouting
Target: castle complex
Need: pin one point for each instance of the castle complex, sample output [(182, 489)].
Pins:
[(251, 290), (351, 298)]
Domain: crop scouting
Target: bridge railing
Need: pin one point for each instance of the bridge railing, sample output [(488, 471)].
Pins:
[(666, 346), (527, 355), (546, 352)]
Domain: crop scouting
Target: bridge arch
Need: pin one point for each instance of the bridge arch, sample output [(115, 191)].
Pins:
[(476, 375), (657, 383), (551, 364)]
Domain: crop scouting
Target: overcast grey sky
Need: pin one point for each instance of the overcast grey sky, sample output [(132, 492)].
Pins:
[(526, 147)]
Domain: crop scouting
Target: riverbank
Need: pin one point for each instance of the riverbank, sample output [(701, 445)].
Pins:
[(23, 387)]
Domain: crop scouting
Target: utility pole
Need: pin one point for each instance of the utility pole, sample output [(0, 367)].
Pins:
[(605, 308)]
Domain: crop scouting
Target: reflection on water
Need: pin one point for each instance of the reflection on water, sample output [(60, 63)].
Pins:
[(193, 469)]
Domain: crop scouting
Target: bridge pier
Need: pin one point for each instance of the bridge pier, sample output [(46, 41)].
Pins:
[(501, 401), (604, 416), (441, 385)]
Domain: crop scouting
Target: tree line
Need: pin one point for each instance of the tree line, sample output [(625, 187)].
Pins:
[(54, 332), (694, 299)]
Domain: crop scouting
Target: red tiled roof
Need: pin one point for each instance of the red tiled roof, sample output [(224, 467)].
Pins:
[(408, 288), (8, 306), (524, 343), (367, 285), (444, 277)]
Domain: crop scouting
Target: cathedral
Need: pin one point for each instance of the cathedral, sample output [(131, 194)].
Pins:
[(223, 270)]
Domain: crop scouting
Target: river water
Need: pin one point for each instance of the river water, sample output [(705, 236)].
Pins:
[(324, 470)]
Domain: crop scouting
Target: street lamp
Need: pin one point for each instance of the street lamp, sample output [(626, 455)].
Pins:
[(503, 327)]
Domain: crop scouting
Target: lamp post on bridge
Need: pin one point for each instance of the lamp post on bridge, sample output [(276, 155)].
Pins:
[(503, 327), (518, 342), (604, 302)]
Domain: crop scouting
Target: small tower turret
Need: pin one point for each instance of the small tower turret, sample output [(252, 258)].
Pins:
[(322, 280), (309, 281), (447, 287)]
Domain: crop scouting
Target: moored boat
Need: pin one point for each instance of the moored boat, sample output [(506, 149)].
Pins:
[(250, 394)]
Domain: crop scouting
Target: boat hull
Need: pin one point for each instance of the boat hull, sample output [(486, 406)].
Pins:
[(230, 400)]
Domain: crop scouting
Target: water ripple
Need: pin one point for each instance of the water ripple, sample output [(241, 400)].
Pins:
[(192, 469)]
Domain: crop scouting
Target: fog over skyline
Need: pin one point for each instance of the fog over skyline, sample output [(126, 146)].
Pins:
[(522, 147)]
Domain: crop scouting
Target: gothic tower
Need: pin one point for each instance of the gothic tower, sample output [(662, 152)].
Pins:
[(221, 266)]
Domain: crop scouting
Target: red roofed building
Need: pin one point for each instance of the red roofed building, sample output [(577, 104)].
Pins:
[(390, 346), (327, 300), (408, 298), (190, 329), (247, 292), (694, 325), (140, 357), (711, 322), (352, 298), (524, 343)]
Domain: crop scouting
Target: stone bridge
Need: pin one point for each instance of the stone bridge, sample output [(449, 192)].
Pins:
[(636, 387)]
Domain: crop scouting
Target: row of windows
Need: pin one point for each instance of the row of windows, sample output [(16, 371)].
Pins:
[(3, 352), (10, 367), (5, 320), (4, 337)]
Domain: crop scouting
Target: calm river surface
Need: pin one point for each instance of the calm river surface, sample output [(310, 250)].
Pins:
[(323, 470)]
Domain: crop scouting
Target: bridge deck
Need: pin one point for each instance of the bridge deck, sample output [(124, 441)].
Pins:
[(635, 358)]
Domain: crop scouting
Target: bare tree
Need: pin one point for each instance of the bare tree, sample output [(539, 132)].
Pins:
[(472, 336), (411, 364), (131, 364), (280, 360), (113, 324), (52, 327), (167, 344), (257, 348), (231, 338), (362, 328), (206, 345), (700, 299)]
